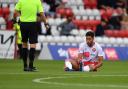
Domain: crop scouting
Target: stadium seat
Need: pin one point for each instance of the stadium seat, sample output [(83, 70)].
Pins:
[(95, 12), (88, 12), (5, 10), (79, 39), (93, 3), (95, 22), (42, 39), (2, 20), (109, 33), (116, 33), (82, 32), (58, 21), (126, 33), (57, 39), (64, 39), (69, 3), (80, 7), (61, 11), (78, 17), (76, 12), (105, 40), (11, 8), (64, 12), (54, 31), (82, 12), (3, 27), (119, 41), (73, 7), (79, 2), (97, 17), (99, 39), (77, 22), (85, 17), (68, 12), (112, 40), (72, 2), (74, 32), (51, 21), (103, 14), (125, 41), (91, 17), (49, 39), (1, 12), (86, 2), (90, 3), (91, 24), (71, 39), (109, 12), (123, 33)]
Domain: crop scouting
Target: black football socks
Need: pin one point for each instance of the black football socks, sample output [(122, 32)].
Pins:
[(25, 54), (31, 57)]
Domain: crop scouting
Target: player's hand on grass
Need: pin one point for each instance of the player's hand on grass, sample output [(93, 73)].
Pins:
[(92, 67)]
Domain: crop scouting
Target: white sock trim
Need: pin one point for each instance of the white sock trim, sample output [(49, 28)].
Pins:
[(68, 64), (86, 68)]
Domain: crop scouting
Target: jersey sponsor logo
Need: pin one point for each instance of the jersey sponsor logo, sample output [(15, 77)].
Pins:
[(93, 49), (86, 54), (92, 55)]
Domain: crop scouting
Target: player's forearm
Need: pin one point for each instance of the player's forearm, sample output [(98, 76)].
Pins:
[(43, 18), (80, 57), (99, 65), (16, 13)]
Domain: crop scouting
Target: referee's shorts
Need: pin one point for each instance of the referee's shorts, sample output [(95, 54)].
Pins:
[(29, 32)]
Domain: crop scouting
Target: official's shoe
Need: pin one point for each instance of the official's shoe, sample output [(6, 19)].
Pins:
[(33, 69), (26, 69)]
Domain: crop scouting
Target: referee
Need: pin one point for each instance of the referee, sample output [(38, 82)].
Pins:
[(28, 10)]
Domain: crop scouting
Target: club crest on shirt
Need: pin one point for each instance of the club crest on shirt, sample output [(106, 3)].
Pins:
[(93, 49)]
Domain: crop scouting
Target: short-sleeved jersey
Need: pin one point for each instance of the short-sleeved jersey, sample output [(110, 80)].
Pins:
[(90, 53), (29, 9)]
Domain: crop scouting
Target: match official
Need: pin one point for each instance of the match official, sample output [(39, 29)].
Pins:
[(28, 10)]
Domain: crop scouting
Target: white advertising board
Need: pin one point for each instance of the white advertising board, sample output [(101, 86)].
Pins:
[(7, 44)]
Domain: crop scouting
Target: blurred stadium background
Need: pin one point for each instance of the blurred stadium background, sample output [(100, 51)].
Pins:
[(109, 20)]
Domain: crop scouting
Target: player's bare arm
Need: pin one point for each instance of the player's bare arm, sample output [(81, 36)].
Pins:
[(43, 18), (100, 62), (80, 57), (16, 13)]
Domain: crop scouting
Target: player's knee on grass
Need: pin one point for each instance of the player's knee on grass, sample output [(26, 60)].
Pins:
[(75, 65), (89, 68), (86, 68)]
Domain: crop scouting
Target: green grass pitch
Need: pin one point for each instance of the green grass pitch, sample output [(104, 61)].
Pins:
[(113, 74)]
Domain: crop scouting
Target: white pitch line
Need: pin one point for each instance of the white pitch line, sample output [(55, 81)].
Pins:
[(91, 75), (43, 80)]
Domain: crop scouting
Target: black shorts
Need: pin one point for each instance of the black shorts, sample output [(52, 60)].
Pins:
[(29, 32)]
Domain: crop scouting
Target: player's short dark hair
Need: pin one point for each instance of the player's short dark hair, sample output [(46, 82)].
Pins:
[(90, 33)]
